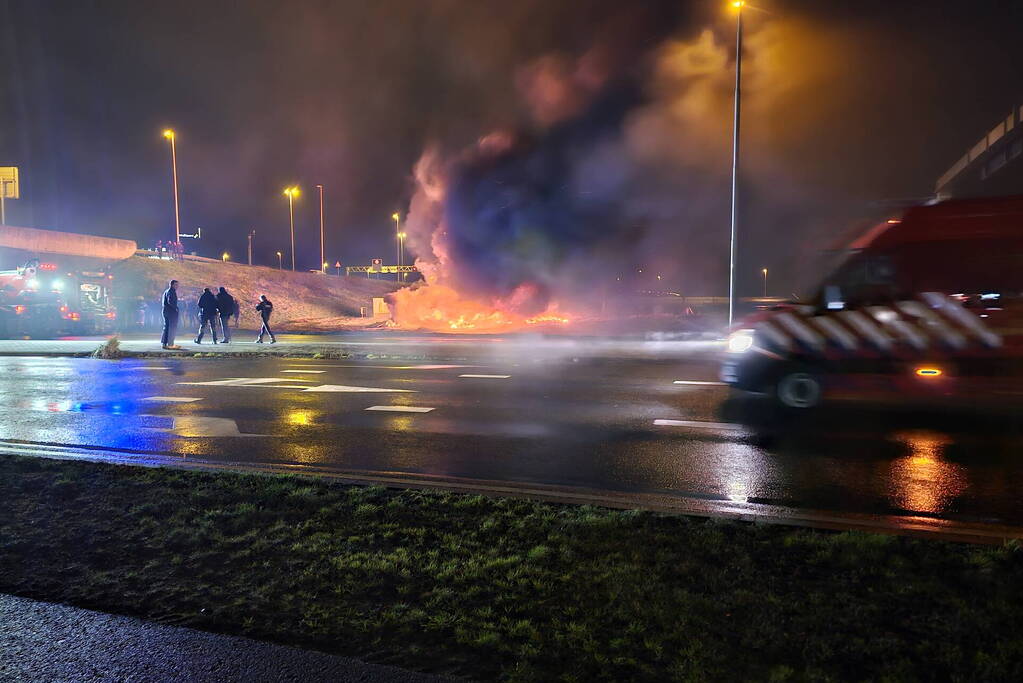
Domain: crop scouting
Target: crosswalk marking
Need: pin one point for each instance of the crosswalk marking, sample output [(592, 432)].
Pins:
[(698, 424), (171, 399), (486, 376), (341, 388), (400, 409)]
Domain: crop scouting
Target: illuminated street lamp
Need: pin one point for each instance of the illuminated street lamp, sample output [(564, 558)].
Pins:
[(738, 6), (170, 135), (279, 266), (291, 193), (764, 271), (396, 217), (225, 256), (321, 230)]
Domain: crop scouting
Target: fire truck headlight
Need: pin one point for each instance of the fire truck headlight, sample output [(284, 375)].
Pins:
[(740, 341), (33, 283), (58, 285)]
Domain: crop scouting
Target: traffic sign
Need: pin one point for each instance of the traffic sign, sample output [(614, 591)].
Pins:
[(9, 182), (376, 261), (337, 264)]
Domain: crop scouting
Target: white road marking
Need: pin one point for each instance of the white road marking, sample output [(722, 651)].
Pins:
[(486, 376), (342, 389), (149, 367), (243, 382), (698, 382), (198, 426), (305, 372), (394, 367), (400, 409), (699, 424), (171, 399)]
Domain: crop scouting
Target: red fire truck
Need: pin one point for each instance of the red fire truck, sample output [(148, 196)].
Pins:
[(44, 299), (926, 306)]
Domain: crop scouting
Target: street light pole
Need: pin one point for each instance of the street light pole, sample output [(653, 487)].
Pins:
[(252, 234), (738, 5), (291, 193), (171, 135), (397, 234), (279, 264), (765, 283), (324, 268)]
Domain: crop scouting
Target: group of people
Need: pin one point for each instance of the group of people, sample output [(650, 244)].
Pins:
[(213, 308)]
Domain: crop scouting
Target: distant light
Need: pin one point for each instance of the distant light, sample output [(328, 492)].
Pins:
[(990, 295), (57, 285), (738, 4), (19, 309), (169, 134), (395, 216), (928, 372), (836, 305), (33, 283), (225, 256), (893, 221), (47, 266), (291, 191)]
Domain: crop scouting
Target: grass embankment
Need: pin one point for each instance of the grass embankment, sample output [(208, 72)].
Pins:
[(506, 588)]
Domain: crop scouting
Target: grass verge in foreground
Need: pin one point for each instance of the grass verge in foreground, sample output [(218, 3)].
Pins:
[(502, 588)]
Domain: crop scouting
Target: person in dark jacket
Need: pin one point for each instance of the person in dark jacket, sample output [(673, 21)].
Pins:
[(170, 315), (207, 314), (265, 308), (225, 307)]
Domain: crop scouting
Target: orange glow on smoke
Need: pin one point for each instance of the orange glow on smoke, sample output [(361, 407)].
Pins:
[(440, 308)]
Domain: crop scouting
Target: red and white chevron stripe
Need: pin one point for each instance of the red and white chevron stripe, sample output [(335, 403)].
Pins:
[(935, 322)]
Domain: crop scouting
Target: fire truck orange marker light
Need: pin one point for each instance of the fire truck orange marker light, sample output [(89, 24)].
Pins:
[(928, 372)]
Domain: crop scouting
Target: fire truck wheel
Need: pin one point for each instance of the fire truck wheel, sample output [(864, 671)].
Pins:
[(799, 388)]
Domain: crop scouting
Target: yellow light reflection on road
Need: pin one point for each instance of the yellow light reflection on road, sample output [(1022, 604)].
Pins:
[(923, 480), (301, 417)]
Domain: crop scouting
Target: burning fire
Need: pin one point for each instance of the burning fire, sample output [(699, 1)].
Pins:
[(440, 308)]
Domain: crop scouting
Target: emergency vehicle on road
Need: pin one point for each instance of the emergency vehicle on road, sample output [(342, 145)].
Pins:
[(924, 307)]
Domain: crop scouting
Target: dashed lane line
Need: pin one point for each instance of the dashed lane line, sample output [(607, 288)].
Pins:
[(485, 376), (305, 372), (400, 409), (343, 389), (697, 382), (699, 424), (171, 399)]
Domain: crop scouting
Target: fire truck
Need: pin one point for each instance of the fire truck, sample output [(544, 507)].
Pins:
[(44, 299), (923, 307)]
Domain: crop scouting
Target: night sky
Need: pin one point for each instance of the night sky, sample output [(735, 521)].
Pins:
[(879, 98)]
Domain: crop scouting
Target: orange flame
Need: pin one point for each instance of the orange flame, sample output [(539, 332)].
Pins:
[(441, 309)]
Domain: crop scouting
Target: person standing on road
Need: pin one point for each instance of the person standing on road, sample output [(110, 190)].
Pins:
[(207, 314), (170, 316), (226, 306), (265, 308)]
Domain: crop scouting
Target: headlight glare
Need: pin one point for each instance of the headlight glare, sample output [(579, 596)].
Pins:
[(740, 341)]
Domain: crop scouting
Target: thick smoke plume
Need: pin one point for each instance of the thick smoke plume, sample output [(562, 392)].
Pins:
[(618, 176)]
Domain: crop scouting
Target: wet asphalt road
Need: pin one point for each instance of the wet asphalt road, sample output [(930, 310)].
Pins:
[(573, 416)]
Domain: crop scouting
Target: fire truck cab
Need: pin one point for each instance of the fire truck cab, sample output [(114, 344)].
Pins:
[(42, 299), (924, 307)]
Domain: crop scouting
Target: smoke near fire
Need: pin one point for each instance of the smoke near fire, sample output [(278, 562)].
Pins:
[(620, 173)]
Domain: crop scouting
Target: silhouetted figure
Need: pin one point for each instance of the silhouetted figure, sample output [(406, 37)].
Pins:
[(225, 308), (237, 313), (265, 308), (170, 315), (207, 314)]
